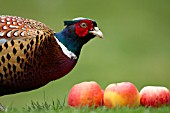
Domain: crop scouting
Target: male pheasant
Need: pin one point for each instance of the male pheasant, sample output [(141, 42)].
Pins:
[(32, 54)]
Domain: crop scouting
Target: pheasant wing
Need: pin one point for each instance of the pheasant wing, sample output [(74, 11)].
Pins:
[(21, 43)]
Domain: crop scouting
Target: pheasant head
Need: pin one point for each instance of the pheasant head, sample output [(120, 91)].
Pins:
[(78, 32)]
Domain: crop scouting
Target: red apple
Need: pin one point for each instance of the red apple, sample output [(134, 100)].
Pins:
[(85, 94), (121, 94), (154, 96)]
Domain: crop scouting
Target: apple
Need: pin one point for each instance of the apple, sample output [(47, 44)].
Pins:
[(154, 96), (85, 94), (121, 94)]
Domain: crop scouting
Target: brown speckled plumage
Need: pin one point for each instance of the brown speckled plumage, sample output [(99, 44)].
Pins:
[(14, 27), (25, 59)]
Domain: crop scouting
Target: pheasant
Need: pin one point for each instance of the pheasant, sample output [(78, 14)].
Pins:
[(32, 54)]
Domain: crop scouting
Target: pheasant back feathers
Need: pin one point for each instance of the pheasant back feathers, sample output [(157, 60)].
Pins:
[(13, 27)]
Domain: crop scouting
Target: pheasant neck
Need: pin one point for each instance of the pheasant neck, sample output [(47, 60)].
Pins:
[(67, 40)]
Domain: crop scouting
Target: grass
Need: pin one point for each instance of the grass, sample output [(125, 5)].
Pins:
[(58, 107)]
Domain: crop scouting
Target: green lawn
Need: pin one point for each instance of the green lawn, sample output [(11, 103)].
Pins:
[(36, 107), (135, 48)]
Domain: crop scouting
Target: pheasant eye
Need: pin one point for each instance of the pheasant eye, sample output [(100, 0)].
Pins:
[(83, 25)]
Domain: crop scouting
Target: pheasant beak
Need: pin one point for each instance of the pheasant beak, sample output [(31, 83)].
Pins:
[(96, 31)]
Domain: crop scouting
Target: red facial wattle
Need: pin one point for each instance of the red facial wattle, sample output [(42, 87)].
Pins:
[(83, 31)]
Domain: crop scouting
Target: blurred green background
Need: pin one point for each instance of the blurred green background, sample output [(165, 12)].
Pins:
[(136, 47)]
